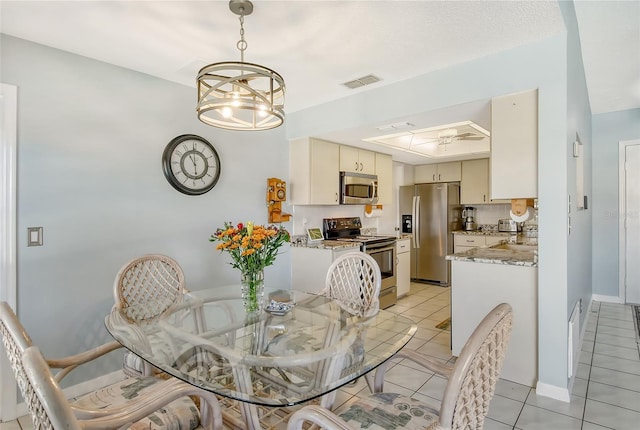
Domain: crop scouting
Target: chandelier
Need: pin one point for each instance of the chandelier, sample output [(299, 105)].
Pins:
[(239, 95)]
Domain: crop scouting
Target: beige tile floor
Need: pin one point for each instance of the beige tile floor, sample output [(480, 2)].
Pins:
[(606, 393)]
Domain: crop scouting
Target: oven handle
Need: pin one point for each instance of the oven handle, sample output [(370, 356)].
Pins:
[(385, 247)]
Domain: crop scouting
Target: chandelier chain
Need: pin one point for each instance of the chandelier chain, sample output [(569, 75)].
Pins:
[(242, 44)]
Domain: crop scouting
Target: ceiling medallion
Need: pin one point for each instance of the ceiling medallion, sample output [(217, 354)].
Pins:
[(239, 95)]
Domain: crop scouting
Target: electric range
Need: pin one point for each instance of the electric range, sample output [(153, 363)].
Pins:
[(381, 248)]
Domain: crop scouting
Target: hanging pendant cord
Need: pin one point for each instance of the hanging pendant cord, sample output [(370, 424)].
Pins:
[(242, 44)]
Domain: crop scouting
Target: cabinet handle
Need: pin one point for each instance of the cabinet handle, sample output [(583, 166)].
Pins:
[(336, 197), (484, 197), (439, 176), (361, 167), (356, 166), (434, 176)]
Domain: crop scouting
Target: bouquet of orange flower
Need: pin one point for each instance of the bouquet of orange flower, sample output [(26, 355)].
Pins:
[(252, 247)]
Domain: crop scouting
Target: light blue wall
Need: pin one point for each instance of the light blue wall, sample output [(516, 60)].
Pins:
[(578, 124), (90, 140), (541, 65), (608, 130)]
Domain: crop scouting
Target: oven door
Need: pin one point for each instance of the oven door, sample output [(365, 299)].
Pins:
[(385, 256)]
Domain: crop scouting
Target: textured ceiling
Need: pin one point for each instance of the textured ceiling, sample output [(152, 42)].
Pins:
[(318, 45)]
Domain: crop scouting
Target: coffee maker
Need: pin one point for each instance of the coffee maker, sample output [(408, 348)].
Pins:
[(469, 218)]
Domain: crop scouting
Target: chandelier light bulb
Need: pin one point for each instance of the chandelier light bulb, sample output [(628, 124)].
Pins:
[(227, 112)]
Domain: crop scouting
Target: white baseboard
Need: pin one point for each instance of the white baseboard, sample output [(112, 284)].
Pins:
[(82, 388), (607, 299), (553, 392)]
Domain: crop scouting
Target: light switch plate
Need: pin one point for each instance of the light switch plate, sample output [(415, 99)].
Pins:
[(34, 236)]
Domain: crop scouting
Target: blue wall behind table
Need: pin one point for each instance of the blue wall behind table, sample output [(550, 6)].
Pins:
[(90, 140), (608, 130)]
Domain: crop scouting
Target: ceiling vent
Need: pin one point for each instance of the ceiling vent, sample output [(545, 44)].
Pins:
[(361, 82)]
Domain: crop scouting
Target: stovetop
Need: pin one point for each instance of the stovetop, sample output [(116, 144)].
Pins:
[(348, 230)]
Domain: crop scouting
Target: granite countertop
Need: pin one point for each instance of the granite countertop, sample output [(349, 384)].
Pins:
[(513, 254), (484, 233), (326, 244)]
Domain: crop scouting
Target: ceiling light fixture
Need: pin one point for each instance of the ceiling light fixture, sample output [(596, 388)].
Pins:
[(239, 95)]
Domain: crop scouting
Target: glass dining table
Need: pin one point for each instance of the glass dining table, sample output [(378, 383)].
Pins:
[(262, 364)]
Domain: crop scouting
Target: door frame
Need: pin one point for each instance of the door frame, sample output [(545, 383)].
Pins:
[(8, 228), (622, 236)]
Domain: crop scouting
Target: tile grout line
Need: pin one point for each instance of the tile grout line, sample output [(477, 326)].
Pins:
[(586, 393)]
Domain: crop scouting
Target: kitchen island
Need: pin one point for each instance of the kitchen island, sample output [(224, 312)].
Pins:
[(481, 278)]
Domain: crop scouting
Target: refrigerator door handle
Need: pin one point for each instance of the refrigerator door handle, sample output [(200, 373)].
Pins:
[(415, 213)]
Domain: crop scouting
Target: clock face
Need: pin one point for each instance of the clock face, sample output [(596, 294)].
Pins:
[(191, 164)]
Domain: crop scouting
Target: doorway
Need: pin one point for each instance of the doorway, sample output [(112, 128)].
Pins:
[(8, 213), (629, 221)]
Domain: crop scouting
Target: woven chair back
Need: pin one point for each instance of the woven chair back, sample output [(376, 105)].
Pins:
[(16, 341), (471, 386), (147, 286), (353, 279)]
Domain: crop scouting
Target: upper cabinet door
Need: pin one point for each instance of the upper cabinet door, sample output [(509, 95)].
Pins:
[(367, 161), (384, 171), (514, 146), (314, 175), (349, 159), (474, 187), (425, 173), (357, 160), (449, 172), (442, 172)]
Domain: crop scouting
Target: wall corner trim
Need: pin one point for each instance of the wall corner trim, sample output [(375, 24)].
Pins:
[(553, 392), (607, 299)]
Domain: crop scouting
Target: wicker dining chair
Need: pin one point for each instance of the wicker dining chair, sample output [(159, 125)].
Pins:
[(465, 403), (144, 288), (354, 279), (137, 402)]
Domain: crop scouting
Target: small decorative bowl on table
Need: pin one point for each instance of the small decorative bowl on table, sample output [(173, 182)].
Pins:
[(278, 308)]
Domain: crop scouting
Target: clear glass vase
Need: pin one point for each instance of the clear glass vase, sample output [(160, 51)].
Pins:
[(253, 291)]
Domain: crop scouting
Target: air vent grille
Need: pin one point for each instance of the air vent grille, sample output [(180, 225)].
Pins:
[(361, 82)]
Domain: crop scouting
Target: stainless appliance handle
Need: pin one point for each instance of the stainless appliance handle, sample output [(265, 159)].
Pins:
[(415, 228), (374, 188)]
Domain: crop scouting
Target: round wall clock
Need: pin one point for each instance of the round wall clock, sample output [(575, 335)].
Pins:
[(191, 164)]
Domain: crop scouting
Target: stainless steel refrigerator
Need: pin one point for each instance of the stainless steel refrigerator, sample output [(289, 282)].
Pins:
[(431, 212)]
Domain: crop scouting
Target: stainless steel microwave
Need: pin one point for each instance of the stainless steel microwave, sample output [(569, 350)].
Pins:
[(358, 189)]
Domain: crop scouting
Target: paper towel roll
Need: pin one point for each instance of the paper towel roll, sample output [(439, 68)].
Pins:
[(521, 218), (375, 213)]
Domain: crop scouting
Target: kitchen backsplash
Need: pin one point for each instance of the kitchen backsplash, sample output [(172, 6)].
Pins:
[(311, 216), (490, 214)]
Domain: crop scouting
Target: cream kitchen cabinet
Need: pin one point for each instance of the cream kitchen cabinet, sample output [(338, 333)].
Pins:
[(464, 242), (309, 266), (384, 171), (357, 160), (514, 146), (314, 172), (403, 271), (441, 172), (474, 185)]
